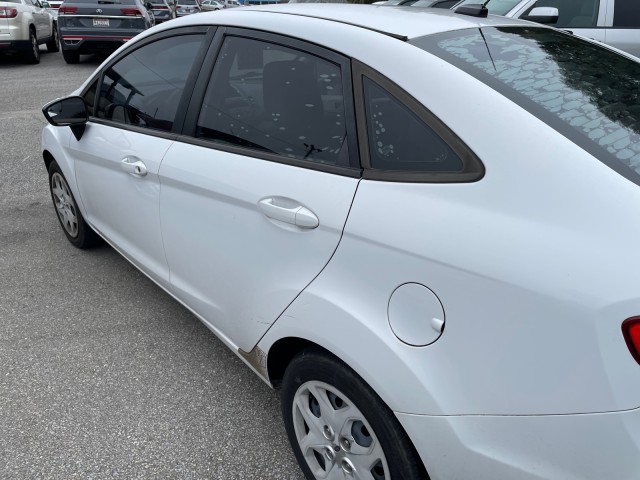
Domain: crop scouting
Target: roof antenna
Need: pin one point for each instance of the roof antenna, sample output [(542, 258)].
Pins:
[(474, 9)]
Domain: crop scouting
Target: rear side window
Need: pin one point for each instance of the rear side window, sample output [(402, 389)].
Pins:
[(276, 99), (399, 140), (587, 93), (626, 14), (572, 13), (145, 87)]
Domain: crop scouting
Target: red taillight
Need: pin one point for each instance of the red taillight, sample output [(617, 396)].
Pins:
[(631, 332), (65, 10), (131, 12), (8, 12)]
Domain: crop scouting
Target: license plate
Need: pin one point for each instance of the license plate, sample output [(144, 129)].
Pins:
[(100, 22)]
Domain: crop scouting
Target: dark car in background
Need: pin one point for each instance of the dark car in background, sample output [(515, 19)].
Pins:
[(163, 10), (89, 26)]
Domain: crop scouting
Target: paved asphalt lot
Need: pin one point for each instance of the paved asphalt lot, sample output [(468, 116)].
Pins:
[(102, 374)]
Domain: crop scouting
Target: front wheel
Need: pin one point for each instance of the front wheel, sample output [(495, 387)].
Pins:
[(339, 428), (75, 228)]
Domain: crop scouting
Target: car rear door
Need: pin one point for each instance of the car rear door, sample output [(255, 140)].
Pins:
[(256, 193), (118, 157)]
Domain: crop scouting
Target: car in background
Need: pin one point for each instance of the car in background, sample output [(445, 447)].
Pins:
[(613, 22), (163, 10), (24, 26), (420, 225), (435, 3), (187, 7), (211, 5), (395, 3), (90, 26)]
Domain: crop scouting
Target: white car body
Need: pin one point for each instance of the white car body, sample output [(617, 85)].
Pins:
[(534, 267)]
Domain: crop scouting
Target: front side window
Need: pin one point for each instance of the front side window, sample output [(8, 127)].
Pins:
[(587, 93), (275, 99), (571, 13), (399, 140), (145, 87), (626, 14)]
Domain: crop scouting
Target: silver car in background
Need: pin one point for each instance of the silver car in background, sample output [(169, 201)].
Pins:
[(614, 22), (24, 26)]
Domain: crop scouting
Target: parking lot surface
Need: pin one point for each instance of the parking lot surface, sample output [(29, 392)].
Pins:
[(102, 374)]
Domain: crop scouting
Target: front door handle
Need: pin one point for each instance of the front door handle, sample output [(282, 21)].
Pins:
[(134, 166), (288, 211)]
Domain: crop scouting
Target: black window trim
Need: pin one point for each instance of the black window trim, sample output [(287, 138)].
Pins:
[(473, 169), (207, 30), (193, 111)]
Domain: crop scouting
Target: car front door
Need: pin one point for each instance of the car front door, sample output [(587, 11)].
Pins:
[(118, 157), (256, 193), (580, 17)]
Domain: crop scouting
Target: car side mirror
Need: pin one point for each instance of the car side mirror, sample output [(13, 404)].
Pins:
[(67, 112), (542, 15), (149, 6)]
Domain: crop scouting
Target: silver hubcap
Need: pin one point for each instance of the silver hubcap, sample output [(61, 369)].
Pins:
[(65, 206), (335, 438)]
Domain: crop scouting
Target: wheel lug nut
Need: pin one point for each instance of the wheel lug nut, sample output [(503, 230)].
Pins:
[(345, 443), (328, 433), (347, 466)]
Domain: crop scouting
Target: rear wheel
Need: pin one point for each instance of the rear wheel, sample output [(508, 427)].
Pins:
[(75, 228), (71, 56), (339, 428), (53, 45), (33, 54)]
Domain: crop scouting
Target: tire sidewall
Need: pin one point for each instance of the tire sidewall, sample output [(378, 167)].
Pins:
[(80, 239), (33, 56), (399, 452)]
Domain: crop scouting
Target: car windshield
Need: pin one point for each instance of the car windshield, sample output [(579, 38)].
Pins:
[(187, 2), (588, 93), (495, 7)]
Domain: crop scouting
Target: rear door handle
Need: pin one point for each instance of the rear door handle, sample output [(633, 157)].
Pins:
[(288, 211), (134, 166)]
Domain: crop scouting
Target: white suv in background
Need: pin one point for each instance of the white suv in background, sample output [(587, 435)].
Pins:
[(614, 22), (24, 26)]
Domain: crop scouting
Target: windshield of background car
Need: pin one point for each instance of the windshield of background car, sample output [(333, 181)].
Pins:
[(588, 93), (495, 7)]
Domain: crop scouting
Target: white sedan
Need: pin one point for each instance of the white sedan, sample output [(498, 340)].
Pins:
[(420, 225), (211, 5)]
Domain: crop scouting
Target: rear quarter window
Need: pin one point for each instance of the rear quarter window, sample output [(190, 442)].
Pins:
[(588, 93)]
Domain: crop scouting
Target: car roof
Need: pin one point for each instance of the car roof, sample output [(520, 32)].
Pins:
[(402, 22)]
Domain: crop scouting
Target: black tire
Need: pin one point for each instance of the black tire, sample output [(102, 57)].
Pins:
[(33, 54), (53, 45), (71, 220), (314, 368), (71, 56)]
